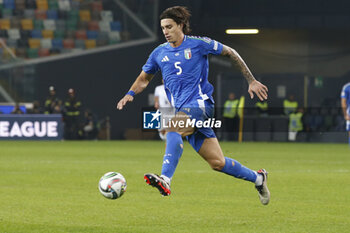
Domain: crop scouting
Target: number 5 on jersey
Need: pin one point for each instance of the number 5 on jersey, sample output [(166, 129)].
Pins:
[(177, 66)]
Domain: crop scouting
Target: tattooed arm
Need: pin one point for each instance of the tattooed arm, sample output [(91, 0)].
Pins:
[(254, 86), (238, 61)]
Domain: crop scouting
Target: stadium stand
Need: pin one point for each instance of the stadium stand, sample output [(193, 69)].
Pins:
[(37, 28)]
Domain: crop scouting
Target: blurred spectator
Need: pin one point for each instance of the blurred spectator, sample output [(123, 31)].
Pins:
[(36, 108), (51, 101), (72, 108), (17, 110), (58, 108), (313, 120), (262, 108), (90, 125), (290, 105), (230, 117), (327, 119), (295, 124)]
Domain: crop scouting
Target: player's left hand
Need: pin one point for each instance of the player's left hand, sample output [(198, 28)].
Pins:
[(259, 89)]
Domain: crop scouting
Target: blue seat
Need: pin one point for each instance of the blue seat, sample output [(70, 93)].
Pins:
[(37, 34), (92, 34), (57, 43), (116, 26), (9, 4), (52, 14)]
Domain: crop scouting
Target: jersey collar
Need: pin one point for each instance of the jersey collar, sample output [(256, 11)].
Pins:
[(179, 47)]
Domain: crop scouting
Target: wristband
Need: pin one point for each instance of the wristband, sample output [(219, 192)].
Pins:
[(132, 93)]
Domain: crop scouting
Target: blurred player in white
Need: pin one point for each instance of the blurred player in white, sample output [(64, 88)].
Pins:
[(345, 104), (162, 104)]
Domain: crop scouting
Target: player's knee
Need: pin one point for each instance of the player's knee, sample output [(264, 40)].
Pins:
[(217, 164), (182, 131), (172, 129)]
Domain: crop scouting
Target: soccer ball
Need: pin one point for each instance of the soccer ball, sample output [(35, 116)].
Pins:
[(112, 185)]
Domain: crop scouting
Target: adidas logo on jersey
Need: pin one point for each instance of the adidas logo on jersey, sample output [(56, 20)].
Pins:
[(165, 59)]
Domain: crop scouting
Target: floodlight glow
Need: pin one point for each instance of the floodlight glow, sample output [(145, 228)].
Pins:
[(242, 31)]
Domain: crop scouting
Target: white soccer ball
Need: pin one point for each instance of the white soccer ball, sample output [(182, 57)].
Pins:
[(112, 185)]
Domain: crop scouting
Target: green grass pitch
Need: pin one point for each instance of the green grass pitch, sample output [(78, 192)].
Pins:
[(52, 187)]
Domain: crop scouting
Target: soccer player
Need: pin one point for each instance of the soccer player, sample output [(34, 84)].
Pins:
[(345, 104), (183, 62)]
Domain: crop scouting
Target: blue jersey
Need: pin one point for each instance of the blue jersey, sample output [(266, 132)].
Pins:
[(345, 93), (184, 69)]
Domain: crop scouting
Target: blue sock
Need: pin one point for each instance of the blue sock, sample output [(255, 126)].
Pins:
[(234, 168), (173, 152)]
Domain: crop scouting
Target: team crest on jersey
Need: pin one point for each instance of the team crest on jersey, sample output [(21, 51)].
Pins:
[(188, 54)]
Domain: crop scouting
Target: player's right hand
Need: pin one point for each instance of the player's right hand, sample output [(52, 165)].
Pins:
[(347, 117), (156, 105), (123, 101)]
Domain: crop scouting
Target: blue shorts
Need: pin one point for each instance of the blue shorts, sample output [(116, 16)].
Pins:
[(348, 122), (199, 110)]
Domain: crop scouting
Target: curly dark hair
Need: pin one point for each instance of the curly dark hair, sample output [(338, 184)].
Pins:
[(180, 14)]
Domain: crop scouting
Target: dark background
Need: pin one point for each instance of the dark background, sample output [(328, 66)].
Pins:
[(296, 39)]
